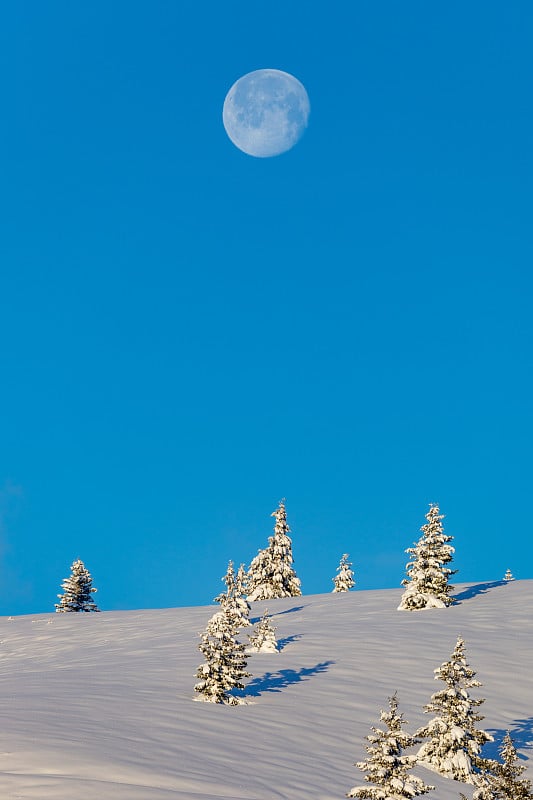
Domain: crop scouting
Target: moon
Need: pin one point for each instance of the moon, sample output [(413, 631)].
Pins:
[(266, 112)]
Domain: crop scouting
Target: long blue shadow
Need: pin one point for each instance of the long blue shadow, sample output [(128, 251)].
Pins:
[(282, 643), (521, 731), (478, 588), (288, 611), (277, 681), (255, 620)]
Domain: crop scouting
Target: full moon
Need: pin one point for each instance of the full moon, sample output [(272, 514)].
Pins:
[(265, 112)]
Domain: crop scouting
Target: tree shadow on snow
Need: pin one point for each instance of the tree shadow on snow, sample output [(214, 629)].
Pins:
[(282, 643), (288, 611), (521, 731), (276, 681), (478, 588), (255, 620)]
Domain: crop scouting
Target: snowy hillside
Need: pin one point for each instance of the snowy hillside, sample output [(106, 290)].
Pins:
[(100, 705)]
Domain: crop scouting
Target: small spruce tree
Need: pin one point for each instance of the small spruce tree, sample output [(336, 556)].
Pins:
[(224, 667), (241, 589), (77, 590), (343, 580), (502, 781), (271, 573), (263, 639), (454, 742), (386, 767), (229, 581), (427, 574), (508, 576), (232, 600)]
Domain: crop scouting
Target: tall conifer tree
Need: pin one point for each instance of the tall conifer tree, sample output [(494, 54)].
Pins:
[(427, 573), (454, 743), (271, 573)]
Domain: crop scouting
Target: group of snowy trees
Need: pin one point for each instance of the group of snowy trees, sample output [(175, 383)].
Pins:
[(225, 654), (450, 745), (271, 575)]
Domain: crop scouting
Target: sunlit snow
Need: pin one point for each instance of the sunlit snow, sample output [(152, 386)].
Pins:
[(101, 706)]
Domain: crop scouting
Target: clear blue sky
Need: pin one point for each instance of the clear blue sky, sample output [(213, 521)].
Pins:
[(189, 334)]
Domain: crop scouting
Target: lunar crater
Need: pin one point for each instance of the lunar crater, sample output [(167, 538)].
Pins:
[(266, 112)]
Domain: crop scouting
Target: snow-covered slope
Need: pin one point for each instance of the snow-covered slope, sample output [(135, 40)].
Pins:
[(100, 705)]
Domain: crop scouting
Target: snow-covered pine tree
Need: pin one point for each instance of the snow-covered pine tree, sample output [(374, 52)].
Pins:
[(386, 767), (225, 662), (77, 590), (427, 574), (508, 576), (229, 581), (454, 742), (271, 573), (241, 589), (343, 580), (263, 639), (502, 781), (232, 600)]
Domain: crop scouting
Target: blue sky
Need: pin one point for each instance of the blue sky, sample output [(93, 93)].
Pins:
[(189, 334)]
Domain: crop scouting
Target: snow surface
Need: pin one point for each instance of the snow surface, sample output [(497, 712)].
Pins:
[(101, 706)]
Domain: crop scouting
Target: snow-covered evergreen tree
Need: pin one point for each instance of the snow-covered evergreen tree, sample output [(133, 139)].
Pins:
[(271, 573), (386, 767), (263, 639), (343, 580), (508, 576), (454, 743), (225, 662), (77, 590), (241, 590), (427, 574), (229, 581), (502, 781), (232, 600)]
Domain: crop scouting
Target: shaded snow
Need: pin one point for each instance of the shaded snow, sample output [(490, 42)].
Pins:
[(101, 706)]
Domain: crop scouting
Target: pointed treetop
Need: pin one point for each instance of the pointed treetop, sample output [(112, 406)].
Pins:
[(281, 514)]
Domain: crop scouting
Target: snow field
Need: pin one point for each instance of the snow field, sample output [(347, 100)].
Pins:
[(101, 705)]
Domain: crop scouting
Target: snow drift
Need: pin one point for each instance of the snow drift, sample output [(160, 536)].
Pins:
[(101, 705)]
